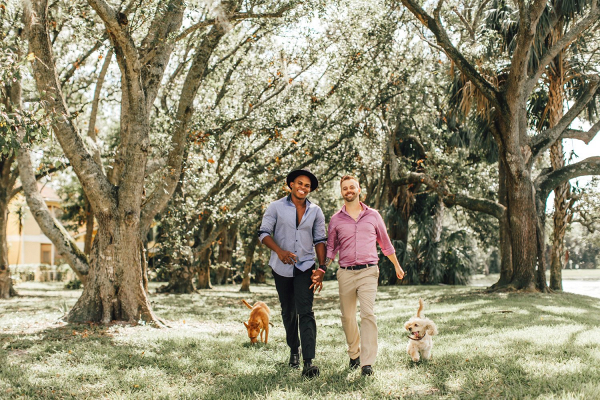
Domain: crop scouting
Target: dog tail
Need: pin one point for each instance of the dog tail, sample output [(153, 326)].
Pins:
[(247, 305), (420, 308)]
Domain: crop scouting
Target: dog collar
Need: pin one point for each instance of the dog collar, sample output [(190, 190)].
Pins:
[(411, 338)]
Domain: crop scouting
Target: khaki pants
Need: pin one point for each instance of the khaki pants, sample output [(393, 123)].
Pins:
[(361, 284)]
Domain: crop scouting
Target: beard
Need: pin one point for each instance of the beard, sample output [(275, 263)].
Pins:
[(350, 197)]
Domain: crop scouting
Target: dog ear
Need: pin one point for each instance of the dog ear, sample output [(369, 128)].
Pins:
[(431, 328), (407, 325), (246, 325)]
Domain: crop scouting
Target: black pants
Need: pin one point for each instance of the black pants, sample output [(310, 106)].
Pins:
[(297, 311)]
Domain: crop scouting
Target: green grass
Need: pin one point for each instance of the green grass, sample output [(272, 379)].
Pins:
[(531, 346), (567, 274)]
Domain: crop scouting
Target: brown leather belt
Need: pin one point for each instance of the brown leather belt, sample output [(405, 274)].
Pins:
[(357, 267)]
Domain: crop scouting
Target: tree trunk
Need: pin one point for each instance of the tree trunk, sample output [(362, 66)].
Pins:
[(225, 257), (541, 245), (505, 247), (181, 282), (560, 218), (249, 252), (522, 220), (261, 276), (437, 227), (6, 287), (402, 200), (8, 177), (204, 269), (89, 227), (182, 275), (114, 288), (563, 191)]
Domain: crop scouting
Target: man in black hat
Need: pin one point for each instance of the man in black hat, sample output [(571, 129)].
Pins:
[(293, 228)]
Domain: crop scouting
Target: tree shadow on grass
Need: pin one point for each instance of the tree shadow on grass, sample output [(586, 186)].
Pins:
[(21, 352), (281, 381), (462, 375), (187, 362)]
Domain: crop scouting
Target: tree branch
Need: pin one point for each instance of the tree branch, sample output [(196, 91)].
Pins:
[(548, 181), (471, 203), (541, 142), (452, 52), (206, 243), (127, 53), (163, 192), (39, 176), (485, 206), (435, 46), (585, 137), (235, 17), (80, 60), (465, 22), (156, 48), (95, 103), (559, 46), (479, 12), (88, 171), (48, 224)]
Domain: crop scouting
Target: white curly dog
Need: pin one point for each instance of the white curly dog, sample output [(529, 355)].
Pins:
[(420, 330)]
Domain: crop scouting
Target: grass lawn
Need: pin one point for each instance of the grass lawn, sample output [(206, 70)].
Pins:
[(530, 346), (567, 274)]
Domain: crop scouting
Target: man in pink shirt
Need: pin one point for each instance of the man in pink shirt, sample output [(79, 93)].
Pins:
[(354, 232)]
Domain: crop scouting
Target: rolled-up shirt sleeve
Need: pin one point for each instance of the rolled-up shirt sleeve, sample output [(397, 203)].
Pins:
[(319, 233), (332, 247), (383, 238), (268, 223)]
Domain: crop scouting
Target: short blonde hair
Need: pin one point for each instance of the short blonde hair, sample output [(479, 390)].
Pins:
[(348, 177)]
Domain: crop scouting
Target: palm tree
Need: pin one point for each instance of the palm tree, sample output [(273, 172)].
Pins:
[(464, 98), (556, 95)]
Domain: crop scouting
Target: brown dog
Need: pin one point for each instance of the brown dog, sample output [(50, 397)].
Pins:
[(258, 321)]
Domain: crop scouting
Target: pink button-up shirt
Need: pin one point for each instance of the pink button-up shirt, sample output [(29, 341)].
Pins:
[(356, 240)]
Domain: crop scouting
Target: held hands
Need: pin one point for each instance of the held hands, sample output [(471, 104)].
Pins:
[(317, 280), (287, 257)]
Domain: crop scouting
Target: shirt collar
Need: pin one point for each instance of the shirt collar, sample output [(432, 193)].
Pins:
[(289, 198), (364, 210)]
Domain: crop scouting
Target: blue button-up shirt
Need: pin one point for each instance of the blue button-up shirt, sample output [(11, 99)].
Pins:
[(279, 222)]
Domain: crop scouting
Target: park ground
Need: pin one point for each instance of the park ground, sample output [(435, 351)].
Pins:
[(521, 346)]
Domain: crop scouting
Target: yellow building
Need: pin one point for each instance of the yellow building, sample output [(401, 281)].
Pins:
[(27, 244)]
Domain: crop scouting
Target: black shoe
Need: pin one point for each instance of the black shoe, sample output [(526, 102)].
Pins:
[(295, 360), (354, 363), (367, 370), (309, 370)]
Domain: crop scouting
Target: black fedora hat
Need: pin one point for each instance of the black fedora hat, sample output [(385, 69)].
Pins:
[(314, 182)]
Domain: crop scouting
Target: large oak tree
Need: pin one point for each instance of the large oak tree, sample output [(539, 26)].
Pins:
[(143, 42)]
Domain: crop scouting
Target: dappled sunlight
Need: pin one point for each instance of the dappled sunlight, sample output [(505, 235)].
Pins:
[(545, 367), (594, 353), (588, 337), (486, 347), (489, 338), (456, 382), (561, 310)]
